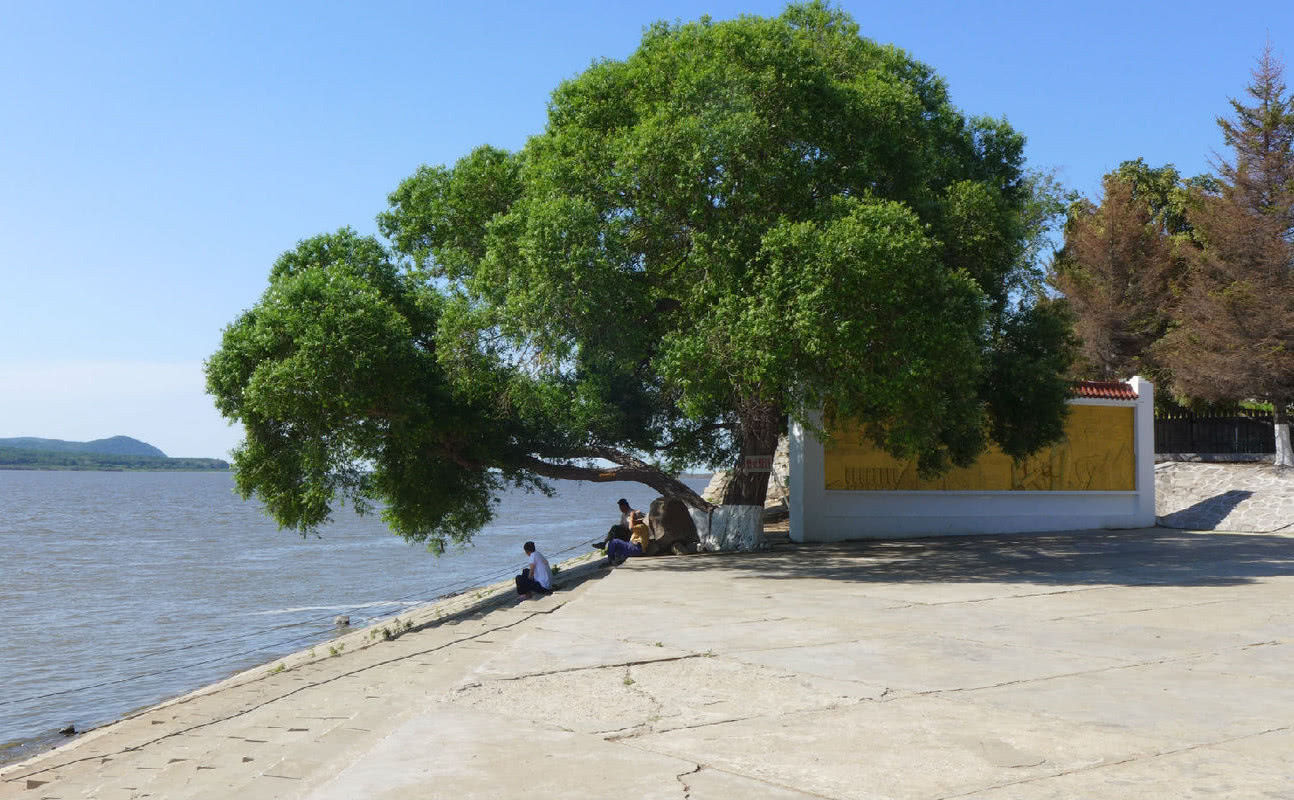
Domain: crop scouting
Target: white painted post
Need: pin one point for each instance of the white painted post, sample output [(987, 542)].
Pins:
[(795, 481), (1144, 442), (702, 521), (1284, 453)]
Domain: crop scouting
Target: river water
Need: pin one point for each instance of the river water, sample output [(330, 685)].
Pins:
[(121, 589)]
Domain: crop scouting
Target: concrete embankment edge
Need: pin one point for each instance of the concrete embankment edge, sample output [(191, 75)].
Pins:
[(475, 602)]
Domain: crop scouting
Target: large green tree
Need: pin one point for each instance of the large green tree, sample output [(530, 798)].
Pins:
[(741, 221)]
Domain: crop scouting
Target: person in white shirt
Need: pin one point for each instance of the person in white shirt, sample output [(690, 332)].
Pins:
[(536, 578)]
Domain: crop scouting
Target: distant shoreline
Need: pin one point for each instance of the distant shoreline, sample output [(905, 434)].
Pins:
[(115, 454), (18, 458), (79, 468)]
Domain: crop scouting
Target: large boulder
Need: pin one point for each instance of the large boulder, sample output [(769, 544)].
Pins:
[(672, 528)]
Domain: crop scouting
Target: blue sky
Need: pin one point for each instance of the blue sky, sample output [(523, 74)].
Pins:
[(156, 157)]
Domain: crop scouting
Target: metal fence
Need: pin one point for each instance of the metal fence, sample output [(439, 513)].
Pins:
[(1181, 432)]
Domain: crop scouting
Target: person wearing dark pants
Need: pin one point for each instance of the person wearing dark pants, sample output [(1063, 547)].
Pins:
[(536, 578), (618, 550), (616, 532)]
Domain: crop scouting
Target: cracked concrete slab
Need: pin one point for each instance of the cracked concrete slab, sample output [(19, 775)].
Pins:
[(917, 747), (459, 753), (713, 784), (926, 663), (619, 702), (1272, 661), (1124, 638), (778, 631), (542, 651), (1255, 766), (1169, 704)]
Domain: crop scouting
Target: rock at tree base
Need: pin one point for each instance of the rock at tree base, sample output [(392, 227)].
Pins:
[(672, 529)]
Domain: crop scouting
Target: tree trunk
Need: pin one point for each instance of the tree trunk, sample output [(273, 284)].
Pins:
[(761, 424), (1284, 453)]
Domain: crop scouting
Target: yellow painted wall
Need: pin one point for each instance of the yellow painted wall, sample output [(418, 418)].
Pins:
[(1097, 455)]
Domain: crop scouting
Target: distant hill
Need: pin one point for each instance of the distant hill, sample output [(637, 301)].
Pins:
[(116, 453), (115, 446)]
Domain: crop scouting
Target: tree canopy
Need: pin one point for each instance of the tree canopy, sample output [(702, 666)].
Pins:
[(1235, 334), (740, 222), (1192, 281), (1120, 267)]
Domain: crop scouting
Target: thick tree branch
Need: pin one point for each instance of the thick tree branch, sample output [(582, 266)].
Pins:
[(640, 472), (596, 451)]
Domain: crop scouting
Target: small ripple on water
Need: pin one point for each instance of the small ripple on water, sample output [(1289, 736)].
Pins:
[(374, 604)]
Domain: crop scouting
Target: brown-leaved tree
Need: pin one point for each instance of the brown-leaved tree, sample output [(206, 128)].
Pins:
[(1235, 333), (1117, 270)]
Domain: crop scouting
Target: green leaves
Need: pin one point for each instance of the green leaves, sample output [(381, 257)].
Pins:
[(1026, 378), (762, 210), (446, 212), (741, 221), (335, 378), (880, 330)]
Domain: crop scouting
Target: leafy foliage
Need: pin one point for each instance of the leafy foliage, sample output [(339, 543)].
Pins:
[(1191, 281), (759, 214), (335, 378), (1235, 337), (1119, 269), (741, 221)]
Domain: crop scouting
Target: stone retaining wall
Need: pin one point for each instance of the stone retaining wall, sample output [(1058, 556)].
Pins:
[(1251, 498)]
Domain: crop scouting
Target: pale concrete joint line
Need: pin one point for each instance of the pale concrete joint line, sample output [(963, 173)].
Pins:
[(1112, 668), (1017, 596), (1129, 760), (564, 670), (642, 729)]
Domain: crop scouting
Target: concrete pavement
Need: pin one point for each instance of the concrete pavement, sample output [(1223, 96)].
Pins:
[(1124, 664)]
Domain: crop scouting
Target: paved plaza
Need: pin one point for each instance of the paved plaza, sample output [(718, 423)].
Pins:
[(1129, 664)]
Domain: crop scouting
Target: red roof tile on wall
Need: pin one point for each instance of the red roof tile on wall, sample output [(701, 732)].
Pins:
[(1104, 390)]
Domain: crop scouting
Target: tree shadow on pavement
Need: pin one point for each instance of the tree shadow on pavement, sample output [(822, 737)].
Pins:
[(1207, 514), (1154, 557)]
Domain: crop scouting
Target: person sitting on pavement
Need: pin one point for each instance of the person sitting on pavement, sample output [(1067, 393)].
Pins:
[(622, 530), (536, 578), (618, 550)]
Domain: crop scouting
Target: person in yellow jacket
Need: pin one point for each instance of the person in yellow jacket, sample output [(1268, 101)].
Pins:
[(639, 535)]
